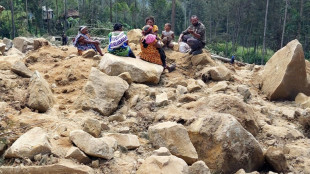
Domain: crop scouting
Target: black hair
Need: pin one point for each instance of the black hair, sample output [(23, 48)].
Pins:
[(150, 18), (169, 25), (117, 26)]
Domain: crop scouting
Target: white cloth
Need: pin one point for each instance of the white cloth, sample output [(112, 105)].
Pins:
[(167, 34), (184, 47)]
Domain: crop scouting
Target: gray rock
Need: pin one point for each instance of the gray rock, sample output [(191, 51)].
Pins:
[(181, 90), (92, 127), (2, 47), (174, 137), (33, 142), (139, 70), (78, 155), (39, 42), (126, 140), (102, 93), (224, 145), (89, 53), (199, 167), (20, 69), (98, 147), (40, 95), (8, 43), (275, 157), (161, 99)]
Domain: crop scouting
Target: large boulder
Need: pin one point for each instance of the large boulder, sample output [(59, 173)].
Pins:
[(98, 147), (134, 36), (39, 42), (224, 145), (33, 142), (174, 137), (285, 75), (235, 106), (64, 166), (139, 70), (128, 141), (40, 95), (102, 93), (21, 43), (163, 163)]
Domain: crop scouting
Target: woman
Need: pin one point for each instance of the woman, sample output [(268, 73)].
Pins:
[(150, 50), (118, 42), (83, 41)]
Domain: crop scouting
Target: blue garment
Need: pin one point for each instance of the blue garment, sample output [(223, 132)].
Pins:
[(232, 59)]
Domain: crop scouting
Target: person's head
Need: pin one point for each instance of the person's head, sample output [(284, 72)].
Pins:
[(147, 29), (194, 20), (117, 27), (150, 21), (83, 30), (167, 26)]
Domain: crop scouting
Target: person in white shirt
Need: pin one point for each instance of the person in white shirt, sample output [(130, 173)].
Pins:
[(167, 36)]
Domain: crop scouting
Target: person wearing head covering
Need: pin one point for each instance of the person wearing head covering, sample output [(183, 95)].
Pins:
[(118, 42), (83, 42), (150, 50)]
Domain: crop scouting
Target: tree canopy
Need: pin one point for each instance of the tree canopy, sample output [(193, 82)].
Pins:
[(233, 27)]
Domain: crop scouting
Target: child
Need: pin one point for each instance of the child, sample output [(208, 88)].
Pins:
[(183, 46), (151, 21), (149, 50), (167, 36), (118, 42)]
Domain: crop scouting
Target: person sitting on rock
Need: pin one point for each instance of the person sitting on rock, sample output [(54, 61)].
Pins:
[(151, 21), (167, 36), (197, 41), (83, 42), (118, 42), (149, 49)]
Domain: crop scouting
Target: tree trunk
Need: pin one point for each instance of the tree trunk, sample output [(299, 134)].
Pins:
[(26, 3), (173, 16), (111, 17), (284, 23), (13, 21), (301, 18), (265, 29), (66, 14)]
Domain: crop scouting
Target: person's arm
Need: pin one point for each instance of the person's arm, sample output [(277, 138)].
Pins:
[(162, 36), (184, 33), (172, 36), (83, 40)]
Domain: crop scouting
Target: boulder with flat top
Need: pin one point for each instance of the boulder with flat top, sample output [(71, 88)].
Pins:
[(139, 70)]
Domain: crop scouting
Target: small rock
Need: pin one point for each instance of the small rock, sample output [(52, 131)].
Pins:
[(275, 157), (95, 164), (199, 167), (220, 86), (126, 140), (119, 118), (162, 151), (92, 127), (181, 90), (38, 157), (124, 130), (77, 154), (89, 53), (193, 85), (244, 91), (126, 76), (161, 99)]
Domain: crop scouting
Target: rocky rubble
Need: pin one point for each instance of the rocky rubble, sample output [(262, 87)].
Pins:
[(60, 112)]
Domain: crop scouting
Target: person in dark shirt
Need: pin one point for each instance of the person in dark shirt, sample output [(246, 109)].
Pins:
[(64, 39), (198, 40)]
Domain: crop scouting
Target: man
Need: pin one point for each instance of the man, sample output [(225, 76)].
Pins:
[(197, 41)]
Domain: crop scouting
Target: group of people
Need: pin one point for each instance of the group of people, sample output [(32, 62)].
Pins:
[(191, 40)]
